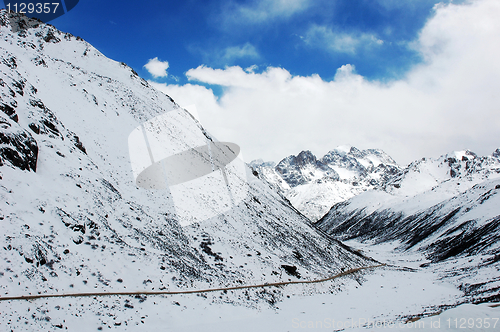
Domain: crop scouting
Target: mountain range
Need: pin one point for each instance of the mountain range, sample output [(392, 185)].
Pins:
[(313, 185), (445, 208)]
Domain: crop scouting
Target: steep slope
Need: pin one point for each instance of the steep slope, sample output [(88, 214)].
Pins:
[(313, 186), (73, 219), (445, 208)]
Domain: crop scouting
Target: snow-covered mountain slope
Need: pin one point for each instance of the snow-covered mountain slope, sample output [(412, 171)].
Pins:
[(314, 185), (456, 171), (72, 217), (446, 208)]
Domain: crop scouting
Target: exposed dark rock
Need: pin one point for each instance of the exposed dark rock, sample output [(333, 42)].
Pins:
[(79, 144), (19, 149), (496, 154), (291, 270), (293, 169), (9, 111)]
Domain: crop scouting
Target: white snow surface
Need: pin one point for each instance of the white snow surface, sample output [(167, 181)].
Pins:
[(313, 199), (384, 299)]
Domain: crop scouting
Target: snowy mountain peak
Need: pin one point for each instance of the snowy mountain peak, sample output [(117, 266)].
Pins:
[(303, 168), (304, 158), (366, 158), (312, 191), (313, 185), (261, 163), (463, 155), (343, 149)]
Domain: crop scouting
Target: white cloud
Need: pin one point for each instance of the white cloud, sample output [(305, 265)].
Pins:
[(226, 56), (338, 42), (412, 4), (449, 102), (237, 52), (191, 94), (157, 68), (251, 69), (262, 11)]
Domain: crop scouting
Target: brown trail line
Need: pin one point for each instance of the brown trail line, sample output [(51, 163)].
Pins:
[(194, 291)]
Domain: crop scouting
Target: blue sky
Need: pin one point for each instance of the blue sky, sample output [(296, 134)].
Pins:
[(289, 34), (412, 77)]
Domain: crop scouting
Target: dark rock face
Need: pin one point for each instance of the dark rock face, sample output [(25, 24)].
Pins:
[(17, 147), (18, 22), (9, 111), (496, 153), (344, 161)]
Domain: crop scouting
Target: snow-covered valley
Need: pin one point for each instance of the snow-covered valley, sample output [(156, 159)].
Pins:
[(399, 297)]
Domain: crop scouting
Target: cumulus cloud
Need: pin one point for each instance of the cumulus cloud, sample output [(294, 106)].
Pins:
[(157, 68), (448, 102), (192, 94), (338, 42)]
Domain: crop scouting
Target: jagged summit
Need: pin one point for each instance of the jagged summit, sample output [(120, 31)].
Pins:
[(313, 185), (343, 149), (361, 162), (303, 168), (463, 155)]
